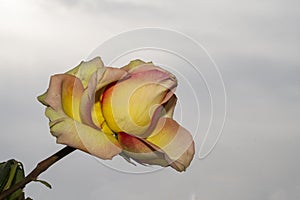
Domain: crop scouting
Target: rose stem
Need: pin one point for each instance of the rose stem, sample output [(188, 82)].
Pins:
[(40, 168)]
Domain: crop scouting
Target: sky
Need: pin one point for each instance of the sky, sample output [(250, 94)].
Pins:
[(255, 45)]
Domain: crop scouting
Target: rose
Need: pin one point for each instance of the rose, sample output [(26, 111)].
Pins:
[(107, 111)]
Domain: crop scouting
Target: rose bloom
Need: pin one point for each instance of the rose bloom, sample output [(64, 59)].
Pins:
[(128, 111)]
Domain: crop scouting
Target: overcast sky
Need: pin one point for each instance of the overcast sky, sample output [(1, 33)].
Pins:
[(256, 46)]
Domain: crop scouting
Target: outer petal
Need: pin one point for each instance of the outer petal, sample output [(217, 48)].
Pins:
[(85, 70), (133, 64), (64, 94), (170, 145), (129, 105), (137, 66), (175, 141), (80, 136)]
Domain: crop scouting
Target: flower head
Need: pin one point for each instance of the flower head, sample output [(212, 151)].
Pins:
[(107, 111)]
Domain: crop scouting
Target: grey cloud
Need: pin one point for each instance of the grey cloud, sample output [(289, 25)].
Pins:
[(108, 7), (256, 46)]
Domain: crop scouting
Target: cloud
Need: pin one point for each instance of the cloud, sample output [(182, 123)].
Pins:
[(256, 46)]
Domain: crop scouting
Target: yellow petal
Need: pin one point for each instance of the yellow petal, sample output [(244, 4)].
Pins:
[(133, 64), (175, 141), (80, 136), (85, 70), (90, 109), (169, 145), (129, 105), (64, 93)]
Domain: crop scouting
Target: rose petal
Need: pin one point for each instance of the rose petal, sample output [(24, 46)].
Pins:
[(173, 140), (169, 106), (90, 109), (140, 151), (144, 68), (169, 145), (63, 99), (85, 70), (64, 93), (129, 105), (80, 136), (133, 64)]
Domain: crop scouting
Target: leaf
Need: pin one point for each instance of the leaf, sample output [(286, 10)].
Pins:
[(45, 183), (11, 172), (19, 175), (7, 173), (4, 173)]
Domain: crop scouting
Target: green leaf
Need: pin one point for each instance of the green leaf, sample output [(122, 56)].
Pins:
[(7, 170), (11, 172), (44, 183), (4, 173), (19, 175)]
